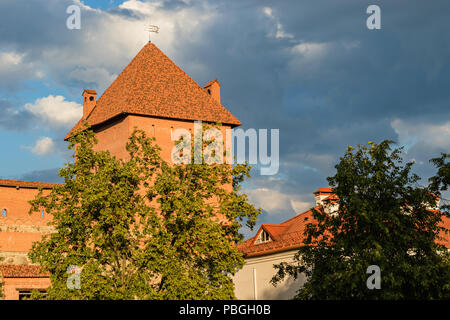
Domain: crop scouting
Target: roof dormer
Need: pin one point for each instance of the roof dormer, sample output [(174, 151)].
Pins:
[(213, 89), (263, 237)]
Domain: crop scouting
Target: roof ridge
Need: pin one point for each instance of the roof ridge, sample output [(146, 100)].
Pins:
[(199, 87), (27, 184), (272, 224), (298, 215)]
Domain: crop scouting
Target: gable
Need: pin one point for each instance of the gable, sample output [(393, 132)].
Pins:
[(153, 85)]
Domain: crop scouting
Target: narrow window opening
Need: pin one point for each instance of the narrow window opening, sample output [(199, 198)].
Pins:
[(42, 214), (24, 294), (4, 212)]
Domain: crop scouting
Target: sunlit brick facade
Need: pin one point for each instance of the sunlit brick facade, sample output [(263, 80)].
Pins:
[(152, 94)]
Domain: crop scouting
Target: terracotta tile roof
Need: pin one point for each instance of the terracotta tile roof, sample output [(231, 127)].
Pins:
[(90, 91), (331, 198), (445, 237), (27, 184), (211, 82), (153, 85), (286, 236), (22, 271), (324, 190)]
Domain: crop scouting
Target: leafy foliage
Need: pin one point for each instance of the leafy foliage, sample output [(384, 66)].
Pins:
[(141, 228), (383, 219), (441, 181), (1, 283)]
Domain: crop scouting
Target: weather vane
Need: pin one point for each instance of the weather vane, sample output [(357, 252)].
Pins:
[(151, 28)]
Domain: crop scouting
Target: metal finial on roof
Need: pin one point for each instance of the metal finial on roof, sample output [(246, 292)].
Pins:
[(151, 28)]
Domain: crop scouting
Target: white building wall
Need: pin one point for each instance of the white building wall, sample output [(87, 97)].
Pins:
[(252, 282)]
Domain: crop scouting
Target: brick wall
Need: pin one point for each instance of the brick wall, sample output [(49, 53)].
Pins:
[(18, 230), (13, 286)]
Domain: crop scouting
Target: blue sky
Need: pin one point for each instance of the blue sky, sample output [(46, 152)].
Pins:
[(309, 68), (103, 4)]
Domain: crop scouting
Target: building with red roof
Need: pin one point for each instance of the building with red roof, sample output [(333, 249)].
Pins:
[(276, 243), (153, 94)]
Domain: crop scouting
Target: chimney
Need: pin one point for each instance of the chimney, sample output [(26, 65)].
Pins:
[(89, 101), (213, 89), (328, 200), (322, 194)]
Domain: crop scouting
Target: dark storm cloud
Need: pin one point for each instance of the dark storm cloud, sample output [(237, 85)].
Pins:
[(13, 119), (36, 30), (34, 24), (363, 80), (49, 175), (326, 81), (346, 95)]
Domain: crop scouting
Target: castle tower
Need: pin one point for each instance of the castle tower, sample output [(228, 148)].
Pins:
[(153, 94)]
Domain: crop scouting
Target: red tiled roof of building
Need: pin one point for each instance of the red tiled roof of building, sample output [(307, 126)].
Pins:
[(211, 82), (289, 235), (27, 184), (445, 237), (331, 198), (90, 91), (285, 236), (22, 271), (324, 190), (153, 85)]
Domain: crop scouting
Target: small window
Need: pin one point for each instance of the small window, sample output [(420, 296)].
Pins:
[(209, 91), (42, 214), (91, 98), (24, 294), (4, 212), (263, 237)]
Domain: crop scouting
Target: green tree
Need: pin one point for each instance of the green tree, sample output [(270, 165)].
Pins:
[(141, 228), (1, 281), (383, 219), (441, 181), (439, 184)]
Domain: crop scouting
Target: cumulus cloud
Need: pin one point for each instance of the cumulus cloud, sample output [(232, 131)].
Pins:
[(413, 132), (43, 146), (276, 202), (279, 32), (14, 68), (310, 49), (56, 111), (13, 118), (107, 40), (311, 69)]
